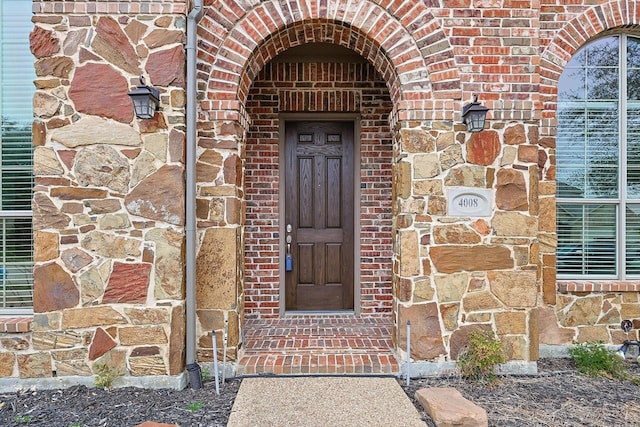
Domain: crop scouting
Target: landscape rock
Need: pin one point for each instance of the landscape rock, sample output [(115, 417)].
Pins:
[(448, 408)]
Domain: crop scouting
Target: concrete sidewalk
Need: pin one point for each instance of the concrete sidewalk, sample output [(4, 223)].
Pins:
[(322, 402)]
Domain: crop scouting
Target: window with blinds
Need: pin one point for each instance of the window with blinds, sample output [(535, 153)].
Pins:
[(16, 158), (598, 161)]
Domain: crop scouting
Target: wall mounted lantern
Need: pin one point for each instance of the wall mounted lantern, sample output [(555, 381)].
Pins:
[(474, 115), (146, 100)]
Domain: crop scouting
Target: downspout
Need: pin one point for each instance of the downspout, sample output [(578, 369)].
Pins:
[(190, 222)]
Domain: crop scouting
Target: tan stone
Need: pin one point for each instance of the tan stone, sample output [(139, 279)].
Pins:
[(49, 340), (91, 316), (511, 190), (217, 269), (466, 176), (147, 316), (160, 196), (630, 311), (550, 332), (593, 334), (149, 365), (46, 321), (423, 291), (142, 167), (477, 318), (91, 286), (426, 165), (403, 181), (142, 335), (72, 367), (508, 156), (114, 222), (45, 105), (447, 408), (514, 224), (427, 187), (94, 130), (417, 141), (452, 258), (454, 234), (15, 343), (451, 287), (584, 311), (451, 156), (480, 301), (157, 144), (112, 44), (75, 259), (46, 214), (45, 246), (449, 314), (177, 341), (57, 66), (409, 253), (444, 140), (426, 336), (115, 359), (102, 166), (34, 365), (169, 264), (515, 135), (514, 347), (7, 364), (111, 246), (514, 288), (511, 322), (45, 162)]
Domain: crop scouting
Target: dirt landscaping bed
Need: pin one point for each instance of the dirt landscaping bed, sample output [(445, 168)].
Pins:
[(558, 396)]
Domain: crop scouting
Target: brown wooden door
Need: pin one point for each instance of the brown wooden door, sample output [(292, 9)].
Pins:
[(319, 207)]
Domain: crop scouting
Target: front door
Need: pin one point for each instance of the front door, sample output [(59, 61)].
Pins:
[(319, 188)]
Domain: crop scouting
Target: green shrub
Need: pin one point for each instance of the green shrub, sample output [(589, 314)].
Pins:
[(480, 357), (105, 376), (194, 406), (595, 360)]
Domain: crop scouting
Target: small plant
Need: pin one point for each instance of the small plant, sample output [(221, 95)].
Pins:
[(206, 374), (480, 357), (76, 424), (105, 376), (23, 419), (194, 406), (595, 360)]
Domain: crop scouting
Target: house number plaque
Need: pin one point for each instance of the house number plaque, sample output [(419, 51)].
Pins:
[(469, 202)]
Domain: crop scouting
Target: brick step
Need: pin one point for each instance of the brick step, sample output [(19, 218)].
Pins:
[(318, 345), (327, 363)]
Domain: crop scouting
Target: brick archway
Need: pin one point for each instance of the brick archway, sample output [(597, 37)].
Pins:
[(403, 42)]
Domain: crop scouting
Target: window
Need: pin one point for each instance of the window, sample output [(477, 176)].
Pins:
[(16, 115), (598, 162)]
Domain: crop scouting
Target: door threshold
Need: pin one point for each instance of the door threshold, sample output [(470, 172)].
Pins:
[(291, 313)]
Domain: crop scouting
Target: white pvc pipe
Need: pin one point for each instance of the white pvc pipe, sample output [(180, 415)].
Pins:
[(215, 361), (190, 182), (408, 362)]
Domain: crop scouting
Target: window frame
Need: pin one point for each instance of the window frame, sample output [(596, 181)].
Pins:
[(623, 200)]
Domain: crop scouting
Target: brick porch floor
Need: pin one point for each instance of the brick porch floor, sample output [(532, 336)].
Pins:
[(318, 344)]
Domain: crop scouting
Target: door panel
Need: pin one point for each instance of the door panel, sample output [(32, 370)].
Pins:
[(319, 186)]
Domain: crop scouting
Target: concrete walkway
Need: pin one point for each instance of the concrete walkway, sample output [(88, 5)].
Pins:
[(323, 401)]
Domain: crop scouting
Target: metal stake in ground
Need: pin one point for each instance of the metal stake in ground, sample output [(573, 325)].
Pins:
[(215, 361), (408, 367), (224, 349)]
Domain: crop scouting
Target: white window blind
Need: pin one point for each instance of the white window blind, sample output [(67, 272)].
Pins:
[(16, 157)]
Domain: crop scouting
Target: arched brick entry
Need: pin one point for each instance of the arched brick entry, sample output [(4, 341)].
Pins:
[(401, 42)]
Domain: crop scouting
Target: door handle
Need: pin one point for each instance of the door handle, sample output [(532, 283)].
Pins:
[(288, 259)]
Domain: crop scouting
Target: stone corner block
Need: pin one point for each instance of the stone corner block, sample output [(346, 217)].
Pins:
[(447, 407)]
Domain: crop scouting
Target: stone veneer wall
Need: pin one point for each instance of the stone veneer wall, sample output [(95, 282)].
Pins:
[(108, 205), (108, 244), (318, 87)]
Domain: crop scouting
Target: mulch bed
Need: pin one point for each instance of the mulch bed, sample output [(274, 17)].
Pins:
[(558, 396)]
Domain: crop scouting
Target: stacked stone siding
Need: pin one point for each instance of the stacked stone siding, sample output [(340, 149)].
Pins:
[(109, 196)]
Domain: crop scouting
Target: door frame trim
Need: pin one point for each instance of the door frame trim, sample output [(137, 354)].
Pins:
[(320, 117)]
